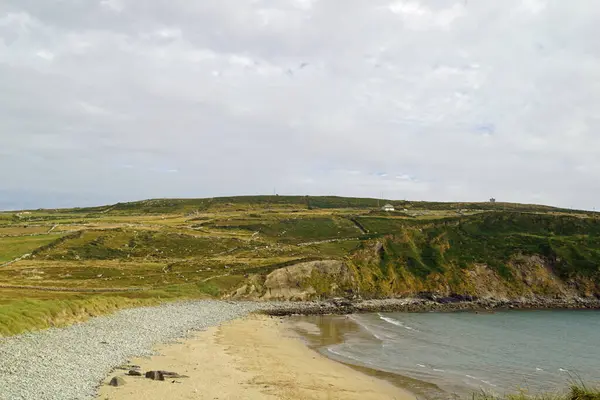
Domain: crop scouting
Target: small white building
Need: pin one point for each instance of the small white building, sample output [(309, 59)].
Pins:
[(388, 207)]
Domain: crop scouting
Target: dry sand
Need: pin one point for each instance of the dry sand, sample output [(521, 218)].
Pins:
[(252, 358)]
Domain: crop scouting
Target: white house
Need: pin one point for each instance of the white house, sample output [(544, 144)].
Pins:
[(388, 207)]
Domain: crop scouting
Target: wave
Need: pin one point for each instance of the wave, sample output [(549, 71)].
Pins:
[(396, 322), (355, 360), (343, 355), (489, 383), (379, 336)]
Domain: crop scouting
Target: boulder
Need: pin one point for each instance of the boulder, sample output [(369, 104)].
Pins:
[(117, 381), (168, 374), (133, 372), (155, 375)]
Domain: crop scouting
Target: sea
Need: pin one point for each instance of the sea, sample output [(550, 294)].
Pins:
[(452, 355)]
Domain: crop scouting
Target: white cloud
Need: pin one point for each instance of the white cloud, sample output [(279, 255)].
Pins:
[(21, 21), (113, 5), (169, 33), (454, 100), (534, 6), (46, 55), (418, 16)]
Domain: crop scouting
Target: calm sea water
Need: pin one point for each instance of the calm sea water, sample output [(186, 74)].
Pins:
[(464, 352)]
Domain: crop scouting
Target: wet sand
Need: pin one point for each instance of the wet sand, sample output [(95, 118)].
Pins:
[(254, 358), (321, 331)]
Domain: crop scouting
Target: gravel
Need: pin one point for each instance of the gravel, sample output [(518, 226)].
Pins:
[(69, 363)]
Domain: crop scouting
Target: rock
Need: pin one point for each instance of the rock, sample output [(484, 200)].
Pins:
[(155, 375), (168, 374), (294, 282), (117, 381), (341, 302), (133, 372)]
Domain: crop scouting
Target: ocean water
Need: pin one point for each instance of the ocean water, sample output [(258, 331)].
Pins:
[(539, 351)]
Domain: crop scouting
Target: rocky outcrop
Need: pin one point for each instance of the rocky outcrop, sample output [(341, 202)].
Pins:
[(530, 278), (300, 282), (439, 304)]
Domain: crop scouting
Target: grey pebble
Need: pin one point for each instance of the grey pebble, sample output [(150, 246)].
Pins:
[(70, 363)]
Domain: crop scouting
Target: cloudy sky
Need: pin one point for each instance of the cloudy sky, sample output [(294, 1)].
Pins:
[(113, 100)]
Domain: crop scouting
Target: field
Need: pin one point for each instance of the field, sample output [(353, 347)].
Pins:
[(60, 266)]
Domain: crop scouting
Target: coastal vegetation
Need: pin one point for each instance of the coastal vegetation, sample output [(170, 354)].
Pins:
[(61, 266), (576, 392)]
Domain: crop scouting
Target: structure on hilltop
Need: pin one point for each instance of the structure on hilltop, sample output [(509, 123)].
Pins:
[(388, 207)]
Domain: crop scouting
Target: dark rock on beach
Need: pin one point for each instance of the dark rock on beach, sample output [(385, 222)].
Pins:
[(155, 375), (117, 381)]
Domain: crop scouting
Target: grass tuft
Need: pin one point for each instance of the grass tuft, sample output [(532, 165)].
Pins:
[(577, 392)]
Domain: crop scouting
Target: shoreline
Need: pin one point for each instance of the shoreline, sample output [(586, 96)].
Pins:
[(97, 346), (332, 330), (430, 304), (256, 357)]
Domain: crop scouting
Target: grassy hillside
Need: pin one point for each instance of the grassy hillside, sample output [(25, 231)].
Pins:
[(512, 254), (85, 261)]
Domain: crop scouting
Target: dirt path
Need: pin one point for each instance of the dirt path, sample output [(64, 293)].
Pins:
[(326, 241)]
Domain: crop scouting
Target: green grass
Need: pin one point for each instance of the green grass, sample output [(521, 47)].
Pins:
[(576, 392), (127, 243), (31, 314), (170, 249), (13, 247), (295, 230)]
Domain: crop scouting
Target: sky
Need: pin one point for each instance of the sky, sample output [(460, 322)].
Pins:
[(118, 100)]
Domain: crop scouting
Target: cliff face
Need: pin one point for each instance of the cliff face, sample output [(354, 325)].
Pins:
[(525, 276), (501, 256), (303, 281)]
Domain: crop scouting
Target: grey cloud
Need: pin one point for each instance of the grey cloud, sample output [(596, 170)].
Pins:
[(100, 99)]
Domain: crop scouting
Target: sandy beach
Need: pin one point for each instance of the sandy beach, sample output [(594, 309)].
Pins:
[(253, 358)]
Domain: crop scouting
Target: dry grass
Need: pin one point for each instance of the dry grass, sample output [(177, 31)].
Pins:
[(577, 391)]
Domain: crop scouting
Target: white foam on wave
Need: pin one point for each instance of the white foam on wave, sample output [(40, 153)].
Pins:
[(488, 383), (355, 360), (421, 365), (438, 370), (538, 369), (471, 377), (563, 370), (396, 322), (343, 355), (378, 336)]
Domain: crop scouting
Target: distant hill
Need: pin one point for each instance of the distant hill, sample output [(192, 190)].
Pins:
[(157, 206), (288, 247)]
